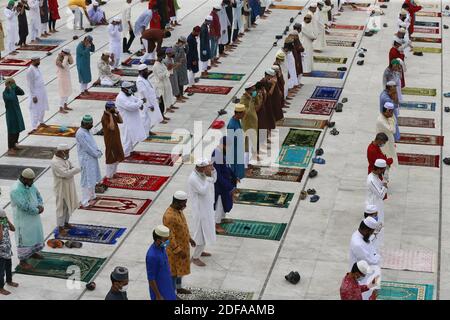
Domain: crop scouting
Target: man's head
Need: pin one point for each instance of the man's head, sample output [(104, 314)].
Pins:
[(35, 61), (110, 106), (87, 41), (182, 40), (170, 53), (95, 5), (10, 83), (217, 8), (161, 236), (401, 33), (391, 86), (298, 27), (204, 167), (179, 200), (10, 4), (119, 279), (371, 211), (269, 74), (116, 21), (395, 65), (87, 122), (143, 70), (239, 111), (208, 19), (388, 109), (360, 269), (276, 68), (280, 57), (379, 167), (381, 139), (127, 88), (196, 31), (367, 228), (313, 7), (105, 56), (320, 5), (27, 177), (62, 151), (167, 34), (88, 2), (250, 88), (307, 19), (66, 51), (161, 55), (396, 44)]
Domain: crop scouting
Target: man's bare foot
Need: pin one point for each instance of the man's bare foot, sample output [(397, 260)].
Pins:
[(4, 292), (12, 152), (152, 133), (67, 108), (198, 262), (12, 284), (26, 266), (166, 118), (226, 220), (220, 230), (61, 110), (32, 131), (43, 125)]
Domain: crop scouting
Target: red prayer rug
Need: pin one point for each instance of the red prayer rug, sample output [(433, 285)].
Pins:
[(426, 30), (119, 205), (37, 47), (416, 122), (96, 95), (320, 107), (133, 181), (155, 158), (422, 139), (8, 72), (15, 62), (347, 27), (421, 160), (209, 89)]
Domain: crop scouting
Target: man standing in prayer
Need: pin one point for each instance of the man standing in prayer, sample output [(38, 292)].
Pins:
[(105, 75), (389, 94), (27, 206), (127, 28), (53, 15), (6, 253), (14, 119), (12, 27), (97, 15), (192, 54), (224, 23), (315, 16), (350, 288), (250, 121), (386, 123), (35, 20), (280, 60), (115, 34), (84, 50), (64, 187), (152, 40), (180, 73), (132, 129), (374, 151), (88, 155), (38, 103), (298, 52), (158, 269), (205, 46), (267, 116), (180, 240), (163, 85), (201, 197), (214, 34), (308, 35), (171, 67), (392, 73), (412, 9), (377, 188), (22, 8), (236, 151), (44, 18), (396, 53), (119, 284), (237, 20), (290, 63), (63, 63), (279, 93)]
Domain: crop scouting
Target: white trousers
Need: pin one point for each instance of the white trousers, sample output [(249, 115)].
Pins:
[(147, 55), (63, 219), (44, 27), (111, 169), (198, 251), (78, 16), (87, 194), (220, 212), (34, 30), (203, 65), (191, 77), (10, 43), (37, 117), (83, 86)]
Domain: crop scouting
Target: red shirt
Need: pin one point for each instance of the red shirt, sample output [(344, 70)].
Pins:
[(412, 9), (53, 9), (155, 23), (351, 289), (394, 53), (214, 28), (373, 153)]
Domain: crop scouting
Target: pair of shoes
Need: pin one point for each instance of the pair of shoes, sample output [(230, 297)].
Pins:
[(344, 100), (334, 132), (445, 26), (318, 160), (303, 195), (319, 152), (293, 277), (91, 286), (447, 109), (360, 62), (446, 161), (313, 173), (311, 191), (221, 112), (330, 124), (339, 107), (418, 53), (342, 69), (314, 198), (361, 55)]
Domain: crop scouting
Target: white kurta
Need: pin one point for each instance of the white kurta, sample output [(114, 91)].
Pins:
[(115, 42), (376, 192), (64, 80), (12, 30), (284, 71), (126, 17), (307, 37), (131, 130), (36, 86), (319, 27), (237, 15), (146, 90), (162, 83), (201, 200), (361, 250), (324, 13), (35, 19), (224, 24), (293, 80), (387, 126)]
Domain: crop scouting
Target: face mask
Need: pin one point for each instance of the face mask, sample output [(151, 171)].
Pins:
[(124, 288), (372, 237), (254, 93), (128, 92), (375, 217), (165, 243)]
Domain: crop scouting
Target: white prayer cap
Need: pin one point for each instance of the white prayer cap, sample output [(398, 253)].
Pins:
[(320, 2), (294, 33), (126, 84), (142, 66), (66, 50), (371, 223), (402, 24), (182, 39), (313, 5), (389, 105), (391, 83), (371, 208), (270, 72), (28, 173), (380, 163), (402, 30), (202, 162), (106, 53), (117, 19), (249, 85), (62, 147), (95, 3), (217, 7), (162, 231), (209, 18), (180, 195), (35, 58), (276, 67), (364, 267), (403, 12)]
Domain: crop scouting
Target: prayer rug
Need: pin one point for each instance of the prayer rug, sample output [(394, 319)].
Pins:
[(326, 74), (422, 139), (302, 123), (405, 291), (295, 156), (209, 89), (60, 265), (51, 41), (96, 95), (37, 47), (170, 138), (263, 198), (362, 5), (200, 294), (347, 27), (321, 59), (136, 61), (428, 6), (340, 43), (286, 7), (132, 181), (427, 24), (56, 130), (121, 205), (224, 76), (155, 158), (276, 173), (419, 91), (117, 85), (428, 14), (8, 72), (343, 34), (12, 172), (320, 107), (426, 30), (426, 39), (427, 50), (420, 160), (302, 138), (327, 93), (411, 260), (127, 72), (90, 233), (34, 152), (416, 122), (15, 62), (423, 106), (255, 229)]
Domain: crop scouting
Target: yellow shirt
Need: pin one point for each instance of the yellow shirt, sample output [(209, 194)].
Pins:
[(78, 3)]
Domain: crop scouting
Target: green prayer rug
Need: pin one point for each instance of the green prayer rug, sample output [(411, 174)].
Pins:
[(302, 123), (275, 173), (319, 59), (255, 229), (57, 265), (302, 138), (34, 152), (419, 91), (427, 50), (292, 156), (170, 138), (263, 198), (223, 76), (405, 291), (215, 294)]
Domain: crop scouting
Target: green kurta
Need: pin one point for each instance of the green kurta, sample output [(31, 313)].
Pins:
[(14, 119), (250, 120)]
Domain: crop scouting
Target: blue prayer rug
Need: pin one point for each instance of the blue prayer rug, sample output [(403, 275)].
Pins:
[(423, 106), (426, 24), (405, 291), (293, 156), (51, 41), (90, 233), (135, 61), (326, 74), (328, 93)]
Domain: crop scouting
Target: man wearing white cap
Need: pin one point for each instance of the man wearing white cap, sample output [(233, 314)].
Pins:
[(377, 188), (63, 63), (372, 211), (115, 40), (163, 85), (178, 250), (386, 123), (38, 100), (280, 60), (201, 197), (224, 25), (350, 288), (393, 73), (97, 15), (307, 37), (131, 130), (64, 187), (111, 135), (401, 37), (35, 20), (389, 94), (83, 54), (105, 75), (404, 20), (317, 27), (250, 121), (321, 18), (205, 46)]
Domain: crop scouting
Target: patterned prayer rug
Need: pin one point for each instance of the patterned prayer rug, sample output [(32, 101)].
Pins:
[(51, 41), (136, 61), (347, 27), (340, 43), (56, 130), (411, 260), (170, 138), (215, 294), (302, 123), (361, 5), (426, 30), (352, 35), (208, 89), (97, 95), (117, 85), (90, 233), (295, 156), (155, 158), (426, 24), (427, 50), (15, 62), (37, 47), (420, 160), (405, 291), (428, 6), (12, 172), (320, 107), (419, 106), (224, 76), (127, 72), (326, 74), (60, 265), (422, 139), (419, 91), (428, 14), (263, 198), (254, 229), (327, 93), (131, 181), (121, 205), (426, 39), (302, 138), (276, 173), (285, 7), (8, 72), (34, 152), (320, 59), (416, 122)]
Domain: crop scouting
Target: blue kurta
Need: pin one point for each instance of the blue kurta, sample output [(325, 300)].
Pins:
[(192, 54), (384, 97), (88, 155), (205, 46), (158, 269), (235, 148), (226, 181), (142, 22), (84, 62)]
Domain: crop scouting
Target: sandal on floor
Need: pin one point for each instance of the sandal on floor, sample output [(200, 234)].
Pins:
[(360, 62), (73, 244), (447, 94), (447, 109), (446, 161), (330, 124), (303, 195), (311, 191), (314, 198), (420, 54), (318, 160), (344, 100), (342, 69), (339, 107), (313, 173), (334, 132), (55, 243), (319, 152)]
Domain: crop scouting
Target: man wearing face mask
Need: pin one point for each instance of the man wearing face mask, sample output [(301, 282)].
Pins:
[(377, 188), (374, 151), (64, 187), (350, 288), (38, 102), (27, 205), (158, 268), (119, 284)]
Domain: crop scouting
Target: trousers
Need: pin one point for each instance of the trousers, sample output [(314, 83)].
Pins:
[(127, 43), (87, 194), (5, 269), (111, 169), (63, 219), (198, 251), (13, 138), (37, 117)]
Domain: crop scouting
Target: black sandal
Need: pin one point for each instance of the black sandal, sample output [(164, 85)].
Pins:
[(319, 152), (312, 173), (311, 191)]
